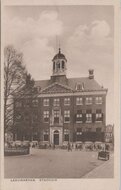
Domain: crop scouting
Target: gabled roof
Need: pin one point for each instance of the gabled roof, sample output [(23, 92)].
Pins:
[(56, 88)]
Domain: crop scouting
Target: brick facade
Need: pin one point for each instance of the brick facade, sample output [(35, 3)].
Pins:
[(63, 110)]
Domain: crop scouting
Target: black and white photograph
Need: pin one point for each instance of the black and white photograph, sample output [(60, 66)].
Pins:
[(59, 91)]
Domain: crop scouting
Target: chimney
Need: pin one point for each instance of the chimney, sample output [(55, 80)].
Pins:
[(91, 74)]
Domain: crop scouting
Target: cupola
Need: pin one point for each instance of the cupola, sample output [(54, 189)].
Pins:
[(59, 64)]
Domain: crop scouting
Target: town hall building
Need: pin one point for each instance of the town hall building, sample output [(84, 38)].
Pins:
[(63, 109)]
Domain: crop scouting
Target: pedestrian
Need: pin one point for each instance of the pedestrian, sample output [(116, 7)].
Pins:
[(69, 147), (76, 147)]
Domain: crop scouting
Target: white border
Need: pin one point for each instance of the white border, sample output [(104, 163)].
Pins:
[(65, 184)]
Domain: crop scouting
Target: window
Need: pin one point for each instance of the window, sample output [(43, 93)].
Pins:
[(46, 135), (58, 65), (79, 101), (79, 131), (54, 65), (18, 104), (56, 116), (78, 134), (38, 88), (88, 100), (98, 100), (88, 116), (62, 64), (79, 116), (98, 115), (78, 87), (56, 102), (46, 116), (67, 116), (35, 103), (46, 102), (66, 135), (66, 101)]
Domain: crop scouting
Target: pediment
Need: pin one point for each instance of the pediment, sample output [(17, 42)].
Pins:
[(56, 88)]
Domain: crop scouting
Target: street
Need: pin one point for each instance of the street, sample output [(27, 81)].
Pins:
[(43, 163)]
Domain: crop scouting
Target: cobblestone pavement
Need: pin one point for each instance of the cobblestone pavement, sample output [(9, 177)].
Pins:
[(52, 164)]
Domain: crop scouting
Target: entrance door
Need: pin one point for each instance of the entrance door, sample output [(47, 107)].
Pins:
[(56, 137)]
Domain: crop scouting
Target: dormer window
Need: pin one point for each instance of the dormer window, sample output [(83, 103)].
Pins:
[(38, 88), (79, 86)]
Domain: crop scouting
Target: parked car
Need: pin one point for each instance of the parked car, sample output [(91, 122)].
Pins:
[(103, 155)]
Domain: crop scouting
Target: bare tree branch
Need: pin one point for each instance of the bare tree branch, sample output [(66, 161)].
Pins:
[(17, 82)]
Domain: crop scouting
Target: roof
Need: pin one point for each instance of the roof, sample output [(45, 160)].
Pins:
[(42, 83), (88, 84), (59, 55)]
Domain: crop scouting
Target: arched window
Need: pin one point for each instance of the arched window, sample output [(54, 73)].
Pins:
[(56, 132), (58, 65), (54, 65), (63, 64)]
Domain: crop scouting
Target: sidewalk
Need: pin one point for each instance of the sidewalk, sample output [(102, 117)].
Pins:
[(106, 170)]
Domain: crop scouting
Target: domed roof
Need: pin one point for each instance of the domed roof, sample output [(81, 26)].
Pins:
[(59, 55)]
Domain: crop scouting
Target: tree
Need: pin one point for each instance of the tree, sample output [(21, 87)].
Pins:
[(15, 76)]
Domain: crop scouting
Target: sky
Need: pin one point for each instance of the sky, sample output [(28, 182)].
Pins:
[(85, 34)]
